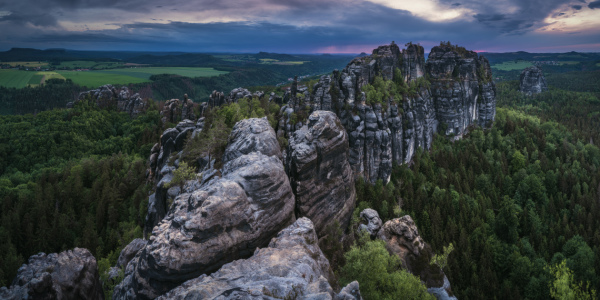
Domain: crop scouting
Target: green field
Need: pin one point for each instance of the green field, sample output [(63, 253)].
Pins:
[(132, 75), (15, 78), (512, 65)]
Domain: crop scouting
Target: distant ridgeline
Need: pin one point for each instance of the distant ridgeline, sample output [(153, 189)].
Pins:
[(392, 102)]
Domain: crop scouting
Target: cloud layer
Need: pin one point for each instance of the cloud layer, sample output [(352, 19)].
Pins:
[(299, 26)]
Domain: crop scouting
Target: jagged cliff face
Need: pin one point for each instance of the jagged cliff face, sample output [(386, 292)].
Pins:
[(532, 81), (461, 94)]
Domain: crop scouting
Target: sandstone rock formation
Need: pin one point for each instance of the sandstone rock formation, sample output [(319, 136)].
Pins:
[(109, 96), (252, 135), (129, 252), (461, 94), (320, 175), (71, 274), (175, 110), (215, 224), (371, 217), (532, 81), (291, 267), (402, 238)]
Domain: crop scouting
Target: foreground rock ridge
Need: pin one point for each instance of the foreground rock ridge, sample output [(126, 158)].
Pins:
[(219, 222), (461, 94), (291, 267), (532, 81), (71, 274)]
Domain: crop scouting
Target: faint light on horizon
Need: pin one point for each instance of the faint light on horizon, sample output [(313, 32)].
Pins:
[(347, 49)]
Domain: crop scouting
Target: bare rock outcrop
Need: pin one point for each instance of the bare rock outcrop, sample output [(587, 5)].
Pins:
[(319, 171), (252, 135), (122, 99), (213, 225), (292, 266), (71, 274), (175, 110), (532, 81), (371, 217), (402, 238), (451, 91)]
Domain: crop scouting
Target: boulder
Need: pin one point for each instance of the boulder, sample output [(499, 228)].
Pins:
[(72, 274), (532, 81), (371, 217), (402, 238), (319, 171), (291, 267)]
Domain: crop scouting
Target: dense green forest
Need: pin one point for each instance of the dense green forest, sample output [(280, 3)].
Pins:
[(515, 200), (72, 178)]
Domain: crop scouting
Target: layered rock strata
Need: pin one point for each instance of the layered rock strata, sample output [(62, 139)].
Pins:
[(122, 99), (452, 91), (291, 267), (320, 175), (215, 224), (71, 274), (532, 81)]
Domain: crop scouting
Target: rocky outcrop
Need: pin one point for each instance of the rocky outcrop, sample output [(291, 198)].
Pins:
[(532, 81), (216, 223), (175, 110), (129, 252), (122, 99), (371, 217), (71, 274), (291, 267), (251, 135), (320, 175), (402, 238), (450, 92), (171, 142)]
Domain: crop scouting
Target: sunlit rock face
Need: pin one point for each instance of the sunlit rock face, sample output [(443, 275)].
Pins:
[(532, 81), (459, 93)]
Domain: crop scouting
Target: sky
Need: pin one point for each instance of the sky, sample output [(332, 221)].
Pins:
[(300, 26)]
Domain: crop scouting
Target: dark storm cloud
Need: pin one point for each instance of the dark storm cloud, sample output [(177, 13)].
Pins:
[(594, 4), (576, 7), (291, 26)]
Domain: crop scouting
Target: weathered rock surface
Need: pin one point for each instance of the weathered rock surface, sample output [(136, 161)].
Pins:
[(291, 265), (109, 96), (219, 222), (319, 171), (402, 238), (175, 110), (532, 81), (371, 217), (252, 135), (71, 274), (461, 94), (129, 252)]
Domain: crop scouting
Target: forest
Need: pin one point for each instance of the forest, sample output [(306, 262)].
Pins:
[(519, 201)]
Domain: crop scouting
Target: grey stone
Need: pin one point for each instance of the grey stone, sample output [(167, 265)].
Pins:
[(371, 217), (251, 135), (129, 252), (291, 267), (72, 274), (532, 81), (319, 171)]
